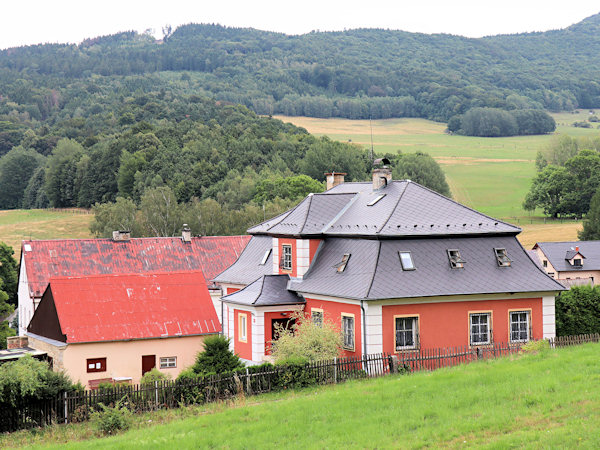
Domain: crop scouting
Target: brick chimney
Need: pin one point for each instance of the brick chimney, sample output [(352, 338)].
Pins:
[(186, 233), (577, 249), (13, 342), (121, 236), (334, 178), (382, 176)]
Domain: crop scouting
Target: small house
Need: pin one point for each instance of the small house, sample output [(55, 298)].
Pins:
[(572, 263)]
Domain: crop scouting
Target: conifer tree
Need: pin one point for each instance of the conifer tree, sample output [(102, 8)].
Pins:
[(591, 224)]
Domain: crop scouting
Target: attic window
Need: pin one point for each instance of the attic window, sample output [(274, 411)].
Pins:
[(456, 262), (406, 261), (265, 257), (341, 266), (376, 199), (577, 262), (502, 258)]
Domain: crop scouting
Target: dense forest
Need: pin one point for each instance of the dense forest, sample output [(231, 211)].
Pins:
[(355, 74)]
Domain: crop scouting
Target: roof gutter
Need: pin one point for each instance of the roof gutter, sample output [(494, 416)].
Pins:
[(364, 328)]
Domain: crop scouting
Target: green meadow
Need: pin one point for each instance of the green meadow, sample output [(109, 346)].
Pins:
[(491, 175), (549, 399)]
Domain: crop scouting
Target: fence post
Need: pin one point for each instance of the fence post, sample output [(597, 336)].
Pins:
[(335, 369), (394, 365), (247, 382), (66, 408), (156, 394)]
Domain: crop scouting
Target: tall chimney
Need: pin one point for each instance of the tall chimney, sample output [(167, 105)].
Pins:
[(186, 233), (382, 176), (577, 249), (334, 178)]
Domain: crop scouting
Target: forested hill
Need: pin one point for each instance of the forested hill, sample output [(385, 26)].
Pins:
[(354, 74)]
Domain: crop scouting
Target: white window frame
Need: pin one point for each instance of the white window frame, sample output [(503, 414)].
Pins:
[(456, 261), (242, 327), (348, 332), (168, 362), (477, 330), (286, 257), (519, 322), (414, 330)]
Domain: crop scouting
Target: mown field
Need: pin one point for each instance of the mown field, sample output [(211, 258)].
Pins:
[(491, 175), (545, 400), (17, 225)]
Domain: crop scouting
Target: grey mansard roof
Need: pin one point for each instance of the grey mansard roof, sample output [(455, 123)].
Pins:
[(268, 290), (248, 267), (559, 252), (406, 209), (374, 271)]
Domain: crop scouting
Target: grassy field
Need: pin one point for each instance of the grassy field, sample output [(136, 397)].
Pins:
[(491, 175), (16, 225), (545, 400)]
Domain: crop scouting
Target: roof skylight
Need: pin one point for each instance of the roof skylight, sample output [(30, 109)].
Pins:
[(375, 200), (456, 261), (406, 261), (341, 266), (265, 257), (502, 258)]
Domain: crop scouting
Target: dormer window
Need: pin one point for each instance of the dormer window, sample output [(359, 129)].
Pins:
[(577, 262), (456, 261), (406, 261), (502, 258), (341, 266), (265, 257)]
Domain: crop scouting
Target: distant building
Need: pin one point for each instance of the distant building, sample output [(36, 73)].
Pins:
[(115, 328), (44, 259), (572, 263), (394, 265)]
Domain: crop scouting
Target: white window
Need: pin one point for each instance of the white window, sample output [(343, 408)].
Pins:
[(407, 334), (168, 362), (519, 326), (242, 327), (480, 328), (456, 261), (317, 317), (286, 257), (348, 331), (502, 258), (406, 261)]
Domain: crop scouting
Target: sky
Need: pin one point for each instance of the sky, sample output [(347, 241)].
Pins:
[(27, 22)]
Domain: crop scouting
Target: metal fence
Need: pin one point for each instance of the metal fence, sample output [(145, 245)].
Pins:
[(77, 406)]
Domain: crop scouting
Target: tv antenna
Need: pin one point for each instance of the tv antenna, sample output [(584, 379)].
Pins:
[(371, 125)]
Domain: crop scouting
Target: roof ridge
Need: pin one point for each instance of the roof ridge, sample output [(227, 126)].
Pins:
[(130, 274), (310, 199), (394, 208), (374, 271), (539, 267), (340, 213)]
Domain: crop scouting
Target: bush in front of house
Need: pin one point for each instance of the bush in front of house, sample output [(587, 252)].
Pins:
[(216, 358), (154, 375), (307, 341), (578, 311), (111, 419)]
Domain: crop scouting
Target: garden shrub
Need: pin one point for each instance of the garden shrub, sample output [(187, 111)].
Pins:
[(535, 346), (578, 311), (154, 375), (216, 358), (111, 419)]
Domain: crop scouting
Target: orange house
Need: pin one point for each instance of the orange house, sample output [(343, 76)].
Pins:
[(395, 265)]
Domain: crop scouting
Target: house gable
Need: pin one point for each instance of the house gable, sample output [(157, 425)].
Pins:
[(45, 321)]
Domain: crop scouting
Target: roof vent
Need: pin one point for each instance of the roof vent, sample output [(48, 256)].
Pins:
[(334, 178), (186, 233), (121, 236)]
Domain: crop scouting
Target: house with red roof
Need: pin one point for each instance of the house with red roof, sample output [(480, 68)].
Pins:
[(394, 265), (41, 260), (115, 328)]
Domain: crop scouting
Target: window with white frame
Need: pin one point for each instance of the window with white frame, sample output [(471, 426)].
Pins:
[(242, 327), (286, 257), (348, 331), (480, 328), (168, 362), (407, 332), (520, 326), (317, 317)]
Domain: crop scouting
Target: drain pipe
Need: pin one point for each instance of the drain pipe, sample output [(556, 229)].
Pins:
[(364, 328)]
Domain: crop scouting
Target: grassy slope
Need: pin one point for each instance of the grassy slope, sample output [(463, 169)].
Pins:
[(550, 399), (491, 175), (16, 225)]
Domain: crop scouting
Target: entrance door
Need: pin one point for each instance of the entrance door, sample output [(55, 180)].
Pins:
[(148, 363), (277, 324)]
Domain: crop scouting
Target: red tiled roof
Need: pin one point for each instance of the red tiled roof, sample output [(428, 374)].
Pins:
[(121, 307), (79, 257)]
